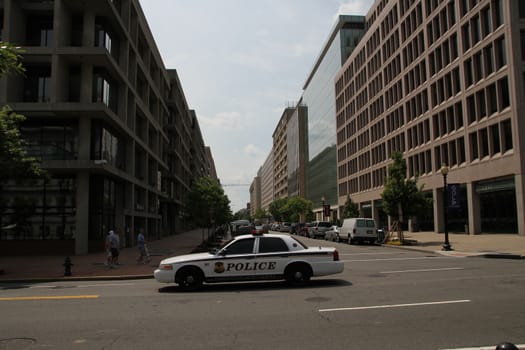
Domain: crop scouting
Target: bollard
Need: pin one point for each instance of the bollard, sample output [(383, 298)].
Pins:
[(506, 346), (67, 266)]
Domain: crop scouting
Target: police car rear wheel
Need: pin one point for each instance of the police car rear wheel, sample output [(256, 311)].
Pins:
[(190, 278), (297, 274)]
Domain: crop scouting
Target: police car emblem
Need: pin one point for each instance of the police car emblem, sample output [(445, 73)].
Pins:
[(219, 267)]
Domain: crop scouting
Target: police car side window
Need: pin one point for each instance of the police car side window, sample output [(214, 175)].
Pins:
[(243, 246), (272, 245)]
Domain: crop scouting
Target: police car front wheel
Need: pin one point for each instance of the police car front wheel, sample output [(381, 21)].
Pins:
[(190, 278)]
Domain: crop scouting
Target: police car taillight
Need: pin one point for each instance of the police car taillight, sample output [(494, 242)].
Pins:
[(336, 255)]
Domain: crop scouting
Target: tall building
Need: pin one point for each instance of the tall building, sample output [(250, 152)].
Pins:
[(442, 82), (107, 120), (319, 98), (266, 175)]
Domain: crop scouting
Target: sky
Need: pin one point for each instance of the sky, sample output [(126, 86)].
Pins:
[(241, 63)]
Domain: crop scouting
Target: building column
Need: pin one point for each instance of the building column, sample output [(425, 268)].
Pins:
[(82, 214), (519, 180), (474, 213)]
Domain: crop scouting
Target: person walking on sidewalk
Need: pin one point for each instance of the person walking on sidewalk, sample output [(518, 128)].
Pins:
[(114, 246), (141, 244)]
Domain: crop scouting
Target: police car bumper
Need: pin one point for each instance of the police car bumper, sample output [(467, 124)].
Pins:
[(164, 276), (328, 268)]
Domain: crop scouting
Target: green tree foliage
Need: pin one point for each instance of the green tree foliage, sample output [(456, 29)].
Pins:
[(14, 162), (260, 214), (401, 196), (242, 214), (206, 204), (293, 209), (10, 59), (351, 209)]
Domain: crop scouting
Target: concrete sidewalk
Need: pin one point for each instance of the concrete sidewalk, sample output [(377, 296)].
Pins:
[(91, 266)]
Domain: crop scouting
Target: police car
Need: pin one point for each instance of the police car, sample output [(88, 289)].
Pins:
[(249, 258)]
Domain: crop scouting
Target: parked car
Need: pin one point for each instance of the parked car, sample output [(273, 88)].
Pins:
[(297, 227), (333, 234), (358, 230), (285, 227), (319, 229), (251, 257)]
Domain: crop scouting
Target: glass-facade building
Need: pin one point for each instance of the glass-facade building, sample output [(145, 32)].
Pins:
[(319, 98)]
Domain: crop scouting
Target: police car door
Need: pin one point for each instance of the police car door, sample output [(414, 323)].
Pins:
[(237, 261), (272, 257)]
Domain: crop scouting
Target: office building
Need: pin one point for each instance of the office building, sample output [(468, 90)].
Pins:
[(442, 82), (106, 119)]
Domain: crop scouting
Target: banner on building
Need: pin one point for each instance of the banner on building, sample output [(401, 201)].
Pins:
[(454, 196)]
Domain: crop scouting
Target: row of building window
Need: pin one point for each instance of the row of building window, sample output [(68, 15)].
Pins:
[(441, 23), (411, 23), (489, 100), (490, 141), (443, 55), (482, 24), (414, 49), (445, 87)]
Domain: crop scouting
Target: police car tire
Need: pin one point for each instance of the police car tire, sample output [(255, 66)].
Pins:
[(298, 274), (190, 278)]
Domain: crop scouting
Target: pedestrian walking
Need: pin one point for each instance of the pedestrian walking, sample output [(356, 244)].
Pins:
[(141, 245), (114, 246)]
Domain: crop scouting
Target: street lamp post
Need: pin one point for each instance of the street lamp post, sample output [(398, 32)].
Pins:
[(322, 210), (444, 172)]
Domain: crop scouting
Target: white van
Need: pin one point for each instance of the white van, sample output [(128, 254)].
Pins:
[(359, 230)]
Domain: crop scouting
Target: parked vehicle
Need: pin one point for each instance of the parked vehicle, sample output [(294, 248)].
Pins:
[(319, 229), (333, 234), (358, 230), (285, 227)]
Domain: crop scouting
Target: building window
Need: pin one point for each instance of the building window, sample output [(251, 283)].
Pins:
[(39, 31), (107, 146), (37, 85), (104, 90), (102, 35), (507, 135), (52, 140)]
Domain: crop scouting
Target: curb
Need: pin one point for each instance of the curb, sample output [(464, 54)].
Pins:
[(77, 279), (459, 254)]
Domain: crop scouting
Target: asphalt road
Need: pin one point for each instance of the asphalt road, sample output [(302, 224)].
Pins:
[(386, 299)]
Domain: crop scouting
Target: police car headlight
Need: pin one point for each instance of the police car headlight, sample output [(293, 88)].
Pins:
[(167, 267)]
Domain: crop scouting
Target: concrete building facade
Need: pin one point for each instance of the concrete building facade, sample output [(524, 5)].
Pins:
[(106, 119), (442, 82)]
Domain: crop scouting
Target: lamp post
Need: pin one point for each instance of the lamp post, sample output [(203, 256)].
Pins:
[(322, 210), (444, 172)]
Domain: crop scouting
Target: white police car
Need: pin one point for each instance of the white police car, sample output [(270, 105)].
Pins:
[(250, 258)]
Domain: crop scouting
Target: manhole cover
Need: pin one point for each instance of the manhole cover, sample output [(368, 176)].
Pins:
[(16, 343)]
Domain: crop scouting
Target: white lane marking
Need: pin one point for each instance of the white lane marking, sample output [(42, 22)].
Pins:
[(389, 259), (395, 305), (487, 347), (424, 270)]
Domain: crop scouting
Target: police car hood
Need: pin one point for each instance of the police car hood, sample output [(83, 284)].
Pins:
[(187, 258)]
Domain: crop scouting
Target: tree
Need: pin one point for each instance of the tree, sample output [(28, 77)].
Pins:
[(14, 162), (260, 214), (351, 209), (10, 59), (291, 209), (401, 196), (206, 204)]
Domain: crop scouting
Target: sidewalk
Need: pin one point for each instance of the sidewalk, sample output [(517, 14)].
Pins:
[(91, 266)]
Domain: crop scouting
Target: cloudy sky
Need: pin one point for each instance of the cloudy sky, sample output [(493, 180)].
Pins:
[(241, 62)]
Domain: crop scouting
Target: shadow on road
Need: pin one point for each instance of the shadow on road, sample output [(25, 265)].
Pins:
[(258, 286)]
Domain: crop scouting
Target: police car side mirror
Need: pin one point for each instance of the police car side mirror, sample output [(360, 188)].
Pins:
[(214, 251)]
